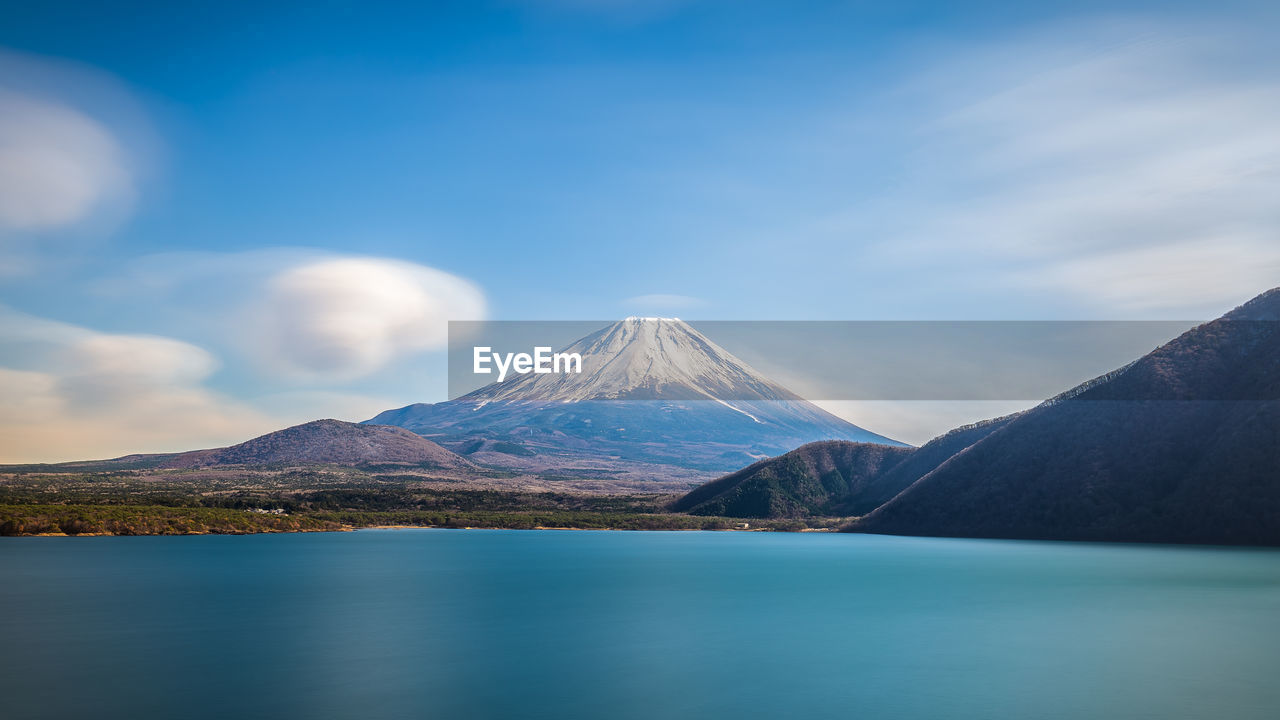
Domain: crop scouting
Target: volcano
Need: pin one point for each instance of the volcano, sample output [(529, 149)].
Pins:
[(651, 390)]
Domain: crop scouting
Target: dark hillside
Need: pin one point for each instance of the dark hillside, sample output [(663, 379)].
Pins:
[(828, 478), (1181, 446)]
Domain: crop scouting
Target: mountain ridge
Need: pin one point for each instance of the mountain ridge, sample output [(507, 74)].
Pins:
[(823, 478), (866, 476), (1182, 445), (327, 441), (318, 442)]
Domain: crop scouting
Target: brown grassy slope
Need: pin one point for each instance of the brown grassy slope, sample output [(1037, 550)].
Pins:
[(327, 442)]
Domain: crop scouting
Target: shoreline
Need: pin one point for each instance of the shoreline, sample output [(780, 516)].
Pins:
[(357, 528), (462, 512)]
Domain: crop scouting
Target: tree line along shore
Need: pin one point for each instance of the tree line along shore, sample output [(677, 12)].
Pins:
[(104, 504)]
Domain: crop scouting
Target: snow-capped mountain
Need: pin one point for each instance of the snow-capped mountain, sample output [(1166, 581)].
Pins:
[(642, 359), (651, 390)]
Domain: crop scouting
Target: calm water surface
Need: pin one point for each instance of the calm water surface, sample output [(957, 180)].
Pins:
[(439, 623)]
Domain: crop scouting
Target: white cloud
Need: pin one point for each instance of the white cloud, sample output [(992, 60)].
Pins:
[(1189, 275), (57, 166), (300, 315), (138, 359), (75, 147), (28, 395), (73, 393), (1126, 168), (343, 318)]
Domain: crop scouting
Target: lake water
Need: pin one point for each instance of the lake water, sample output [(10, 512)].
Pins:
[(480, 623)]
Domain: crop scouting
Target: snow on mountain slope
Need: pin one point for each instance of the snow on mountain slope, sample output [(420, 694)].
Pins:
[(650, 390), (642, 359)]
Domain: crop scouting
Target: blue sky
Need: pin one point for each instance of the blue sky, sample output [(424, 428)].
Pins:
[(193, 197)]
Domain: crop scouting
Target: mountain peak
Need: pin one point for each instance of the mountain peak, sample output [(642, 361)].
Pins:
[(635, 401), (327, 441), (642, 359)]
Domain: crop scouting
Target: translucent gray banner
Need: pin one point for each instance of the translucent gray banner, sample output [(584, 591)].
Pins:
[(816, 360)]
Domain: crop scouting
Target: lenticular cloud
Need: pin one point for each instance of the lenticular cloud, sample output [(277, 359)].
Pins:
[(57, 166), (348, 317)]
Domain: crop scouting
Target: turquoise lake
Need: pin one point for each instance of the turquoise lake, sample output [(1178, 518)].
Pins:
[(493, 623)]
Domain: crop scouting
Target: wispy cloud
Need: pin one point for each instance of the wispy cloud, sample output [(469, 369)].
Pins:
[(71, 393), (74, 146), (302, 315), (57, 166), (1136, 170)]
